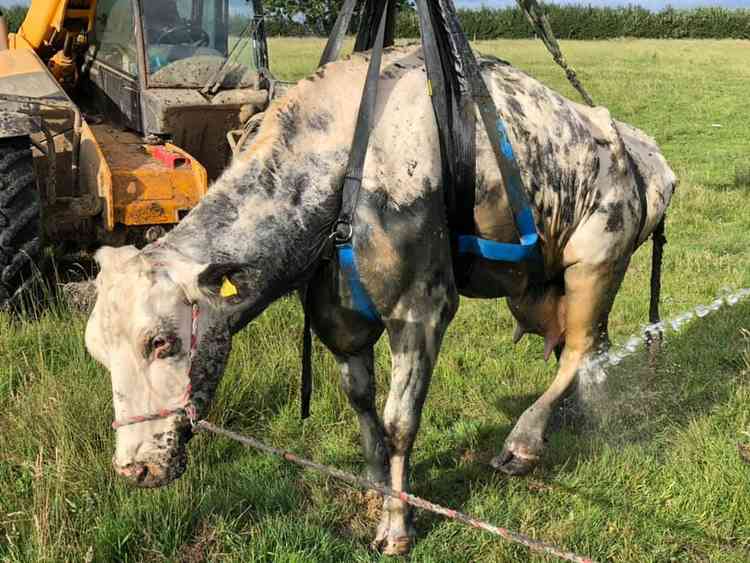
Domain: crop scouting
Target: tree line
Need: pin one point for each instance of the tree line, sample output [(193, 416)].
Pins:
[(295, 18), (316, 17)]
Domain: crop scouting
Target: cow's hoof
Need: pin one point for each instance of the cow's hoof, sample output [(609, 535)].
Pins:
[(393, 546), (514, 463), (744, 450), (393, 541), (397, 546)]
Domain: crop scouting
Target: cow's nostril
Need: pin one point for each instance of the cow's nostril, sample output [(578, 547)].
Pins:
[(142, 473)]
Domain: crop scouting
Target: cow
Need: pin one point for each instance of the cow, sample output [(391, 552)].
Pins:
[(165, 315)]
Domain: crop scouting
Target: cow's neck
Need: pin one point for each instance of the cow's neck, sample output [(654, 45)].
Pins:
[(271, 214)]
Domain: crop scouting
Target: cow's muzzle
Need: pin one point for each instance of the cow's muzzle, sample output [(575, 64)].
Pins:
[(156, 470), (151, 474)]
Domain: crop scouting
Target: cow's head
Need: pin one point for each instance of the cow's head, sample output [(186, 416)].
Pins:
[(542, 314), (141, 330)]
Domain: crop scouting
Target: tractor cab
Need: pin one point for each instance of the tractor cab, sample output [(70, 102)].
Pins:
[(179, 43), (182, 71)]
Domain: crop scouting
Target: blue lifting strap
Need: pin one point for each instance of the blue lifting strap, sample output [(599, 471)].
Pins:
[(528, 249), (360, 298), (344, 227), (503, 251), (455, 79)]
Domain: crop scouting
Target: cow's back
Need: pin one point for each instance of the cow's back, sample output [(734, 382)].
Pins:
[(571, 157), (574, 165)]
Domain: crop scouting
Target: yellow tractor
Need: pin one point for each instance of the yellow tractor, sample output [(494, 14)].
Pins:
[(115, 115)]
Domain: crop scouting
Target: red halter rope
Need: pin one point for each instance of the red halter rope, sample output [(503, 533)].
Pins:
[(187, 408)]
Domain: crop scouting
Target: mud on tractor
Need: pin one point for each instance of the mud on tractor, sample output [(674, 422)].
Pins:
[(115, 115)]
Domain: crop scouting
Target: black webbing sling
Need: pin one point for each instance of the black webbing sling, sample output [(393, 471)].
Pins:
[(370, 22), (454, 115), (343, 228), (336, 39), (368, 25), (455, 85), (452, 67)]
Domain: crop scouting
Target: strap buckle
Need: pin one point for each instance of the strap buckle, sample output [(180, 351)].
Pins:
[(343, 231)]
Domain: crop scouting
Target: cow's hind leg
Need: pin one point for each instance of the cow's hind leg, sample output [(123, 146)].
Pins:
[(590, 291), (415, 344), (358, 382)]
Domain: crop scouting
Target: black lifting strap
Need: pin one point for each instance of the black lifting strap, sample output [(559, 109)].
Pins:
[(336, 39), (454, 113), (365, 121), (353, 178), (369, 25), (306, 391), (371, 15)]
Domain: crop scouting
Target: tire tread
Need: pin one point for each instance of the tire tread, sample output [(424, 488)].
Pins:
[(20, 218)]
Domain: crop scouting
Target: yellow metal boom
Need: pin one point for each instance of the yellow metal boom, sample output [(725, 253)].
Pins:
[(47, 21)]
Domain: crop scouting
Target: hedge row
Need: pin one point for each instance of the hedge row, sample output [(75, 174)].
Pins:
[(581, 22), (568, 22)]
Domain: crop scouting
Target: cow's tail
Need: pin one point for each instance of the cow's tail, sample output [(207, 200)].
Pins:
[(660, 239)]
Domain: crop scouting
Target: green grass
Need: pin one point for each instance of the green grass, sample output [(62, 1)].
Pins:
[(654, 476)]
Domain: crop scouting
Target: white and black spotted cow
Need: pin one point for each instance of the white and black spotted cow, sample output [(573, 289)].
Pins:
[(598, 190)]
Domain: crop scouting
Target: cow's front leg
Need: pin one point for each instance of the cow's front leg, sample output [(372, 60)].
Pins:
[(590, 291), (358, 382), (414, 348)]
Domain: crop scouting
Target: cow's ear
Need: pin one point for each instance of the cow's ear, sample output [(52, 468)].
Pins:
[(228, 283)]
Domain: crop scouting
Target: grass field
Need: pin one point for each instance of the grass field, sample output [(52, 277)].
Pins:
[(653, 475)]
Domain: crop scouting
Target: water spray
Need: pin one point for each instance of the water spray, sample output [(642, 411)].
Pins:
[(593, 369)]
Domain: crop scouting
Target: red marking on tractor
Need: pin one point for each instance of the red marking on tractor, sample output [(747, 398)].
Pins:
[(168, 158)]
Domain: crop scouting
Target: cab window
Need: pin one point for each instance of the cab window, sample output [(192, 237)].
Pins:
[(191, 42), (114, 41)]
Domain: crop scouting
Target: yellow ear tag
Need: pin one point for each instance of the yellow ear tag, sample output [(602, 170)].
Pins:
[(228, 289)]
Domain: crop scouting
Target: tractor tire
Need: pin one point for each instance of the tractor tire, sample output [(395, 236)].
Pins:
[(20, 220)]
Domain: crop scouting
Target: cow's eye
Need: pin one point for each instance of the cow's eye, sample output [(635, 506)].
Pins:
[(163, 346)]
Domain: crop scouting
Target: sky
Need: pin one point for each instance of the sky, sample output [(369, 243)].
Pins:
[(651, 4)]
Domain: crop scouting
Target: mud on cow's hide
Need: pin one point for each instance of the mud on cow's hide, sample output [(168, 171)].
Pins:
[(598, 190)]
